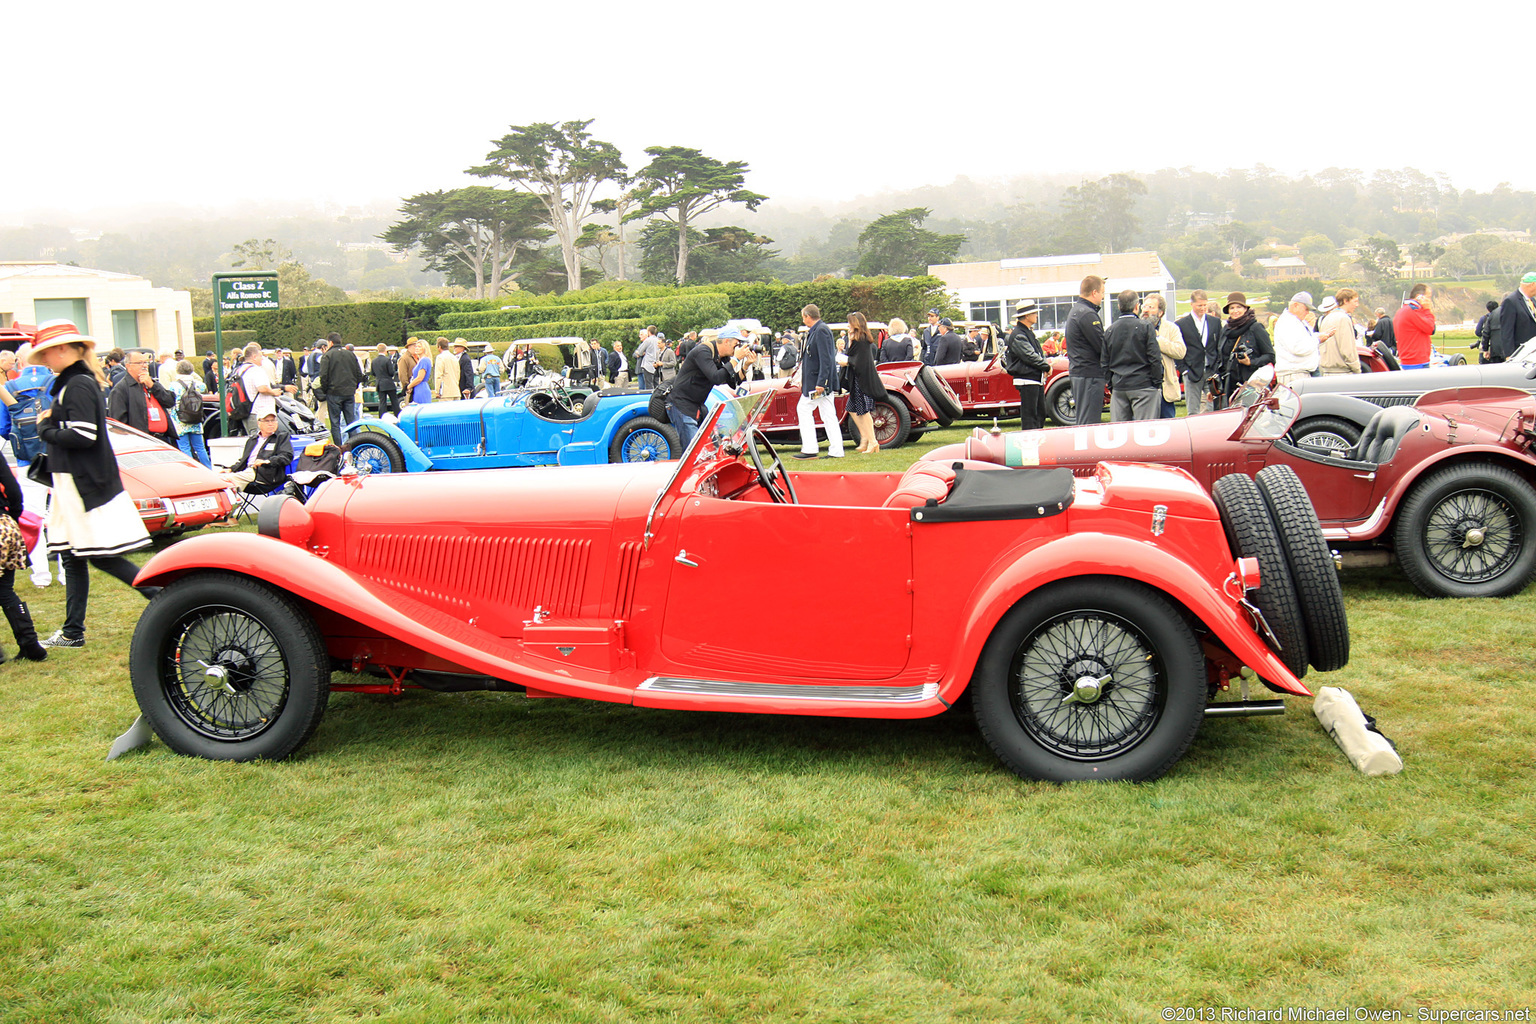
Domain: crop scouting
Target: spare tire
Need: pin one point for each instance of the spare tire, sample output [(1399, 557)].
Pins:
[(1253, 535), (1312, 568), (939, 395)]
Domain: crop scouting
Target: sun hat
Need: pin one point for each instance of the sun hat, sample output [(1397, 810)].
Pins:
[(1328, 305), (55, 333), (459, 343), (1235, 297), (1025, 308)]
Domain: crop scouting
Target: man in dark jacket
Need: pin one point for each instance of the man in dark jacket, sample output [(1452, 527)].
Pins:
[(263, 465), (1134, 364), (1517, 316), (1085, 349), (466, 369), (140, 401), (383, 371), (1027, 365), (947, 347), (818, 383), (1382, 331), (707, 364), (340, 377), (925, 342), (1202, 351)]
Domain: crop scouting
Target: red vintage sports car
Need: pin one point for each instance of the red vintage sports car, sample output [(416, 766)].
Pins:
[(918, 401), (1090, 618), (1447, 485)]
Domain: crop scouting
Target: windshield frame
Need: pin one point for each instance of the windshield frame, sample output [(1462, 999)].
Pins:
[(727, 428)]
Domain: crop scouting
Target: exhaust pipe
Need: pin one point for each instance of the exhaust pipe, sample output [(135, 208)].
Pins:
[(1245, 708)]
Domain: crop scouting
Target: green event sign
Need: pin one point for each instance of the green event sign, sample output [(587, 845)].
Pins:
[(247, 293)]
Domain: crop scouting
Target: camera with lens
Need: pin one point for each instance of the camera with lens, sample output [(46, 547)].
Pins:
[(1242, 350)]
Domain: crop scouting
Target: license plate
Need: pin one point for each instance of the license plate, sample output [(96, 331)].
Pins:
[(189, 505)]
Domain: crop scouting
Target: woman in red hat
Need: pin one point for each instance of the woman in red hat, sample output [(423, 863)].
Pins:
[(91, 518)]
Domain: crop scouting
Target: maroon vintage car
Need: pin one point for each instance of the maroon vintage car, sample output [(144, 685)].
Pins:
[(1089, 619), (918, 400), (1448, 484)]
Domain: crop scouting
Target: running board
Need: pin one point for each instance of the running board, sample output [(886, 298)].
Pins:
[(793, 691), (1244, 708)]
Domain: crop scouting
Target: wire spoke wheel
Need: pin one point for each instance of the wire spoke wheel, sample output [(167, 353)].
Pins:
[(1087, 685), (646, 446), (224, 674), (1473, 536)]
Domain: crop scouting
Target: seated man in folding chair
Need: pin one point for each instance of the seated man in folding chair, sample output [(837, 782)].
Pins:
[(263, 466)]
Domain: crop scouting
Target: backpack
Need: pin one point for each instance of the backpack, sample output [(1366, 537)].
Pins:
[(236, 402), (24, 437), (787, 358), (189, 407)]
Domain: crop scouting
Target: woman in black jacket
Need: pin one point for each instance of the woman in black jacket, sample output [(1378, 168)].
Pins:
[(13, 556), (1245, 342), (864, 387), (91, 518)]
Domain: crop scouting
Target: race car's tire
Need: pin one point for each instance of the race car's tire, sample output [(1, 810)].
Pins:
[(939, 395), (1252, 535), (643, 439), (226, 667), (1332, 435), (1465, 531), (1456, 359), (374, 451), (893, 424), (1058, 402), (1311, 565), (1091, 678)]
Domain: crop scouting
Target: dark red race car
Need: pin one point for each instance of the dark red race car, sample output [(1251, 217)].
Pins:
[(918, 400), (1089, 619), (1447, 485)]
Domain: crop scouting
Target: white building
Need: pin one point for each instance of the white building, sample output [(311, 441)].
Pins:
[(991, 291), (118, 310)]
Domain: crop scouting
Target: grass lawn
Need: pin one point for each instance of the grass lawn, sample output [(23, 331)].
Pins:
[(486, 857)]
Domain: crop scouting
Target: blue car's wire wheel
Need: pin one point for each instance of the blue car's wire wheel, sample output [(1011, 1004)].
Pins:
[(373, 452), (644, 439)]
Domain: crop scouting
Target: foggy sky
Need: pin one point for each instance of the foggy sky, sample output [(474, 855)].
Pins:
[(197, 105)]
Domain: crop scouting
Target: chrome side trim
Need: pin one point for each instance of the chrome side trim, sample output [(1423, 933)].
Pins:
[(1364, 531), (794, 691)]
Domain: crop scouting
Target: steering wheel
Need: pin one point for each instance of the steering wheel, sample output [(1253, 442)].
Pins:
[(775, 479)]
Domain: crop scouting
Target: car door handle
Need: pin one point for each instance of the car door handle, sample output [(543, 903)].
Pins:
[(683, 559)]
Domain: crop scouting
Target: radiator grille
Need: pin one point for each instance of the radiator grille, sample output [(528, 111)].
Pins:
[(508, 571), (448, 435)]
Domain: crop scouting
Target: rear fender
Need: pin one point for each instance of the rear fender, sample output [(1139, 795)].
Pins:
[(416, 460), (1076, 555), (1493, 455), (396, 615), (1345, 407)]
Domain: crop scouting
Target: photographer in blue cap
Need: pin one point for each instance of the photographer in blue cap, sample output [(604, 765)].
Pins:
[(708, 363)]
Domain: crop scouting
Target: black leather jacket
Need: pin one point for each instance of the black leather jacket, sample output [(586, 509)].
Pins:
[(1023, 357)]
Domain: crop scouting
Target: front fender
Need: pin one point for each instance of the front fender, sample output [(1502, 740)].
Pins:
[(416, 460), (1109, 555), (396, 615)]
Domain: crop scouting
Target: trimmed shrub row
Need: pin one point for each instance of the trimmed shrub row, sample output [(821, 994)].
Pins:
[(676, 307), (361, 324), (202, 341)]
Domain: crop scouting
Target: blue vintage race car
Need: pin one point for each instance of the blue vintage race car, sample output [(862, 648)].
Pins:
[(529, 427)]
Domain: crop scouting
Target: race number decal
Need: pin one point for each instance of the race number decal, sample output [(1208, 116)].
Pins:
[(1108, 437)]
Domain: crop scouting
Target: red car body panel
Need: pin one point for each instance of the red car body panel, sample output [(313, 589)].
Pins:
[(614, 583), (1480, 424)]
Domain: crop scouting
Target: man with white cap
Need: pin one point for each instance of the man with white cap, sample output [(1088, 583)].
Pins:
[(1295, 341), (708, 363)]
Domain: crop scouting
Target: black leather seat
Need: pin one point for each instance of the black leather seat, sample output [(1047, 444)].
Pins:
[(1384, 433)]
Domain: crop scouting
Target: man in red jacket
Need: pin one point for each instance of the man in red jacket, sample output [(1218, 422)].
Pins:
[(1413, 325)]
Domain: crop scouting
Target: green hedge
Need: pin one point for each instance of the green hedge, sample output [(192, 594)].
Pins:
[(694, 309), (421, 314), (202, 341), (360, 324), (605, 331)]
